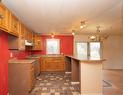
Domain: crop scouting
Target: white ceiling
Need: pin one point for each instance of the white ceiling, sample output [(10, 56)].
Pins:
[(63, 16)]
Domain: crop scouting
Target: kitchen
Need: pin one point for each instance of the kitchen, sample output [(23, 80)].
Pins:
[(40, 47)]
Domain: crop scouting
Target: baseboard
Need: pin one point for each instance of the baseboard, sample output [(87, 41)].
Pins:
[(93, 94), (67, 72), (73, 83), (113, 69)]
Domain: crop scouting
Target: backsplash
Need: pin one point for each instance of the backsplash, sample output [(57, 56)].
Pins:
[(19, 54)]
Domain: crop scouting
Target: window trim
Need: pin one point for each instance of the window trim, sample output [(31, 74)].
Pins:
[(58, 45), (88, 48)]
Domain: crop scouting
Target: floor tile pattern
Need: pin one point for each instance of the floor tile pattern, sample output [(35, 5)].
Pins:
[(55, 83)]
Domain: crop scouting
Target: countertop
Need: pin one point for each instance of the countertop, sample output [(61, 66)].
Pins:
[(47, 55), (21, 61), (85, 60), (33, 56), (51, 55)]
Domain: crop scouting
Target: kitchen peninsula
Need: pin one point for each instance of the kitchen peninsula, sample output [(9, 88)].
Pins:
[(86, 72)]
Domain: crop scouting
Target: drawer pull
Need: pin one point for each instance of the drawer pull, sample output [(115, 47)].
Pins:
[(1, 16)]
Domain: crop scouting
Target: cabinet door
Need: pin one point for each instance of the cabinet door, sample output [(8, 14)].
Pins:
[(14, 25), (37, 42), (32, 79), (21, 37), (52, 64), (3, 17), (42, 64), (22, 31), (26, 34), (30, 35)]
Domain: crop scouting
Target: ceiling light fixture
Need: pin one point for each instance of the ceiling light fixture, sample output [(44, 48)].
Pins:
[(52, 35), (98, 36), (82, 24), (93, 37), (73, 32), (98, 29)]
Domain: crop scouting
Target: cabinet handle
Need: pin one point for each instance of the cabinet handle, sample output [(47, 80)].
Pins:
[(15, 26), (1, 16), (38, 43)]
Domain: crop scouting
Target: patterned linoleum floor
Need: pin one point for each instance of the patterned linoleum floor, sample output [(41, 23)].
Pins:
[(55, 83)]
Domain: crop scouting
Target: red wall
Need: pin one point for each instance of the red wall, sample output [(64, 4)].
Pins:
[(20, 54), (4, 57), (66, 44), (66, 47)]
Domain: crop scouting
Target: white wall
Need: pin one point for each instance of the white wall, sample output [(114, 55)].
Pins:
[(112, 50), (79, 38)]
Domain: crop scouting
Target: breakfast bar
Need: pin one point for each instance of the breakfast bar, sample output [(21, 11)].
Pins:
[(88, 73)]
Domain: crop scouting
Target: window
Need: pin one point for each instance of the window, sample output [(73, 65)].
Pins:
[(91, 50), (82, 50), (52, 46), (95, 50)]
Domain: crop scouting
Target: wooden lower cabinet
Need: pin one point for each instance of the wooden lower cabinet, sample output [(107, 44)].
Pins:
[(21, 78), (52, 64), (32, 79)]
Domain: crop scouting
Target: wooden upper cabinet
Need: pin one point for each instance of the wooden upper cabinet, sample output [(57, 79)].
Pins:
[(4, 18), (22, 31), (18, 42), (37, 42), (28, 34), (14, 25), (11, 24), (31, 36), (21, 41)]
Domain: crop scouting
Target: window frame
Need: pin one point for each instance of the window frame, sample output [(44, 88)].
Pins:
[(58, 40), (88, 48)]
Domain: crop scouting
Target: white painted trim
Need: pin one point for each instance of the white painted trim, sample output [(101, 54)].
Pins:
[(67, 72), (93, 94), (73, 83)]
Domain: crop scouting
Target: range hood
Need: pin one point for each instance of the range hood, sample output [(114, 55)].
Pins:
[(28, 43)]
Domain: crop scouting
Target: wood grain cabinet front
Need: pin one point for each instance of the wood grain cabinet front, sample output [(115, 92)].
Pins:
[(32, 79), (52, 64), (21, 41), (21, 78), (4, 18), (37, 42), (14, 26), (11, 24)]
